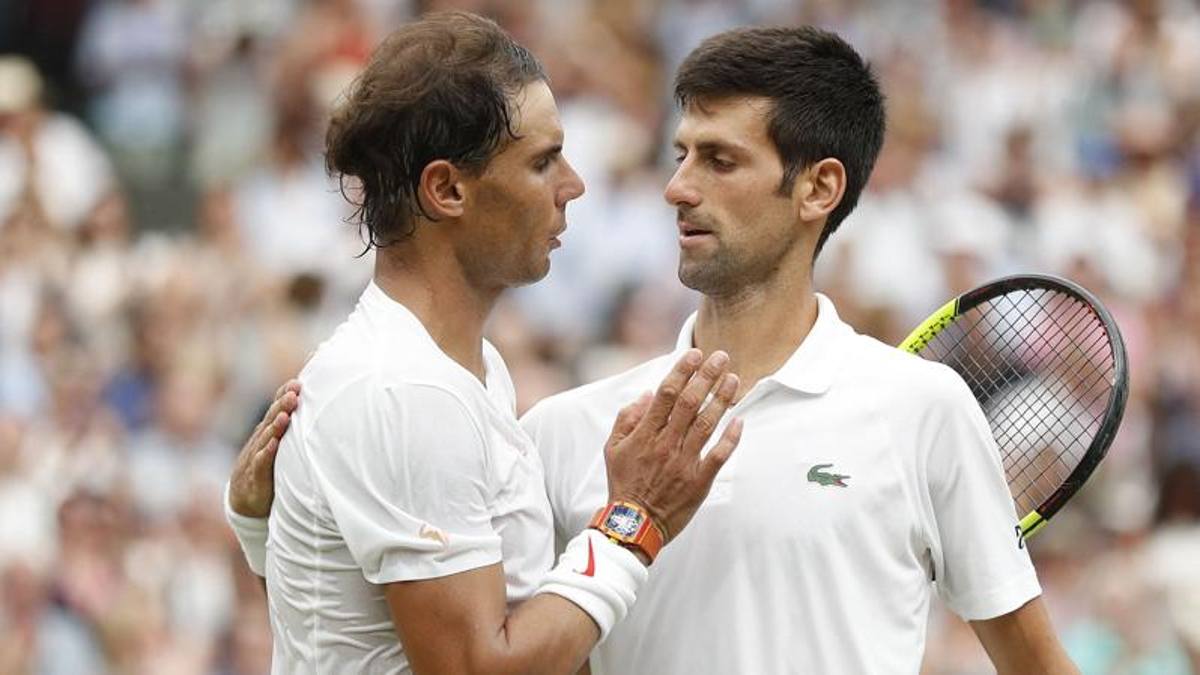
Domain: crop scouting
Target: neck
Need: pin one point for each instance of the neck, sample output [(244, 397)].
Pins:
[(759, 327), (436, 290)]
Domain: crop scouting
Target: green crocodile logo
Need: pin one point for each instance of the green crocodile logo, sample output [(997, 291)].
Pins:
[(816, 475)]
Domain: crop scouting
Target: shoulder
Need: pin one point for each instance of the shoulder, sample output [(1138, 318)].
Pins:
[(904, 380), (349, 382)]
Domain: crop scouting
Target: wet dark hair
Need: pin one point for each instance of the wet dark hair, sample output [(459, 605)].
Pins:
[(826, 100), (438, 88)]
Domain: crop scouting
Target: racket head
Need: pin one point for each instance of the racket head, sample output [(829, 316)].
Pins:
[(1047, 363)]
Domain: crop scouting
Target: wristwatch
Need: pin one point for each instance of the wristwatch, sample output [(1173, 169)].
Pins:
[(630, 526)]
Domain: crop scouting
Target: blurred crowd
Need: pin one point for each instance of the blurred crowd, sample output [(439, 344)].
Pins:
[(171, 249)]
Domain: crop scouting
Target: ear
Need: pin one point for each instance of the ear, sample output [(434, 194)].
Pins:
[(441, 191), (819, 189)]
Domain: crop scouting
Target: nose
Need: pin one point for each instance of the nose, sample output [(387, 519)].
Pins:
[(679, 190), (572, 187)]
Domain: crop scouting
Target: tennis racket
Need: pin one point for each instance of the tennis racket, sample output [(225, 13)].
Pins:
[(1047, 364)]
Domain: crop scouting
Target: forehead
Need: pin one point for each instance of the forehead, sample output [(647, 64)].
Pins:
[(536, 119), (740, 120)]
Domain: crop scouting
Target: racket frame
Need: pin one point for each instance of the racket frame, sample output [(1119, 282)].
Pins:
[(948, 313)]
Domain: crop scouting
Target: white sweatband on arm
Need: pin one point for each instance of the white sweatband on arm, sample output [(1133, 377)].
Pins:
[(600, 576), (251, 535)]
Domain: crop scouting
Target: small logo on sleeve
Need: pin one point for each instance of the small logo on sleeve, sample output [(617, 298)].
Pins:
[(820, 477), (433, 534)]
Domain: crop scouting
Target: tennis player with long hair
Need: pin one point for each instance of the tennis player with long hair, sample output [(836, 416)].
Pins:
[(410, 530)]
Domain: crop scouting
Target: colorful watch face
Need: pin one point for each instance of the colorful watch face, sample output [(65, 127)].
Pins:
[(624, 520)]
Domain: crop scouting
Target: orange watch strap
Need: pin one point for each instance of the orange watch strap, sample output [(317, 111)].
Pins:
[(648, 539)]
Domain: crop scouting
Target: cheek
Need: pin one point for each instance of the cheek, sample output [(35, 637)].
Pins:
[(757, 220)]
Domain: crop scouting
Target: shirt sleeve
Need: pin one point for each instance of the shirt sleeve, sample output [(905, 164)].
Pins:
[(404, 470), (981, 566)]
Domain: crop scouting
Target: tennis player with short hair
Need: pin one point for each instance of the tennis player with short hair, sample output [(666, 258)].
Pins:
[(408, 502), (866, 477)]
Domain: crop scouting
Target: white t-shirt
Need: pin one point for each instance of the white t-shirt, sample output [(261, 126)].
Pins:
[(398, 465), (862, 473)]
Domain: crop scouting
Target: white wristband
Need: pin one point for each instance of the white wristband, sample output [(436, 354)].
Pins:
[(251, 535), (600, 576)]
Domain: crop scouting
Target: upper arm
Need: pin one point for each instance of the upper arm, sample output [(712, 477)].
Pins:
[(981, 566), (1023, 641), (460, 624), (446, 624)]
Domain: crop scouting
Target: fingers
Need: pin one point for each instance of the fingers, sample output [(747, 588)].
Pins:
[(708, 419), (719, 454), (264, 461), (283, 405), (291, 385), (628, 418), (688, 403), (276, 420), (670, 389)]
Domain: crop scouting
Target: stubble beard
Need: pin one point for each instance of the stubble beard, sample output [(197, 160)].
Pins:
[(726, 273), (714, 276)]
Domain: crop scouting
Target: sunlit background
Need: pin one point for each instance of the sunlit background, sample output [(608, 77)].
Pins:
[(171, 250)]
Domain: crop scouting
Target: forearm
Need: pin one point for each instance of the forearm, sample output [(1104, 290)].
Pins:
[(251, 535), (546, 635)]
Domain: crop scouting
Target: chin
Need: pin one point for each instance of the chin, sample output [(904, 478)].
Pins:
[(707, 279), (535, 273)]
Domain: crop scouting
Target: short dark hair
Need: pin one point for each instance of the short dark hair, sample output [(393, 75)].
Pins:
[(826, 100), (438, 88)]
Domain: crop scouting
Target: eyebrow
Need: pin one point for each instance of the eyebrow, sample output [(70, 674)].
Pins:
[(712, 147), (549, 151)]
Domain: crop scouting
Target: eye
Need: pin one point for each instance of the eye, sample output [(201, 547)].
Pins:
[(542, 163), (720, 164), (679, 157)]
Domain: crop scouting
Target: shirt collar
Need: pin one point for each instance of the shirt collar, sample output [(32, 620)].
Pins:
[(383, 307), (812, 367)]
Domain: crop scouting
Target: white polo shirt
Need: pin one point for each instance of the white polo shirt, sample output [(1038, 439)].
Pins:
[(862, 473), (398, 465)]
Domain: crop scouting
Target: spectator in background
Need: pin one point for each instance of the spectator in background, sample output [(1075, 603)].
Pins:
[(175, 461), (132, 56), (49, 163)]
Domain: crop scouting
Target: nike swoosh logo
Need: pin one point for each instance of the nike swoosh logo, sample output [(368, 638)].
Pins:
[(590, 570)]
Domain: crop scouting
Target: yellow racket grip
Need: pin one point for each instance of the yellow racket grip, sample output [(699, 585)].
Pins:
[(1031, 524)]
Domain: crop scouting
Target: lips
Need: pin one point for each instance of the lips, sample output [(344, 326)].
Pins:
[(691, 234)]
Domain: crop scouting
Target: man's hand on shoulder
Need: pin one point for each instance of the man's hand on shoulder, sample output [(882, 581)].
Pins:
[(252, 483)]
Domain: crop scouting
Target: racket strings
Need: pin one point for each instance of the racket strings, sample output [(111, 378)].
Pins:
[(1040, 363)]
